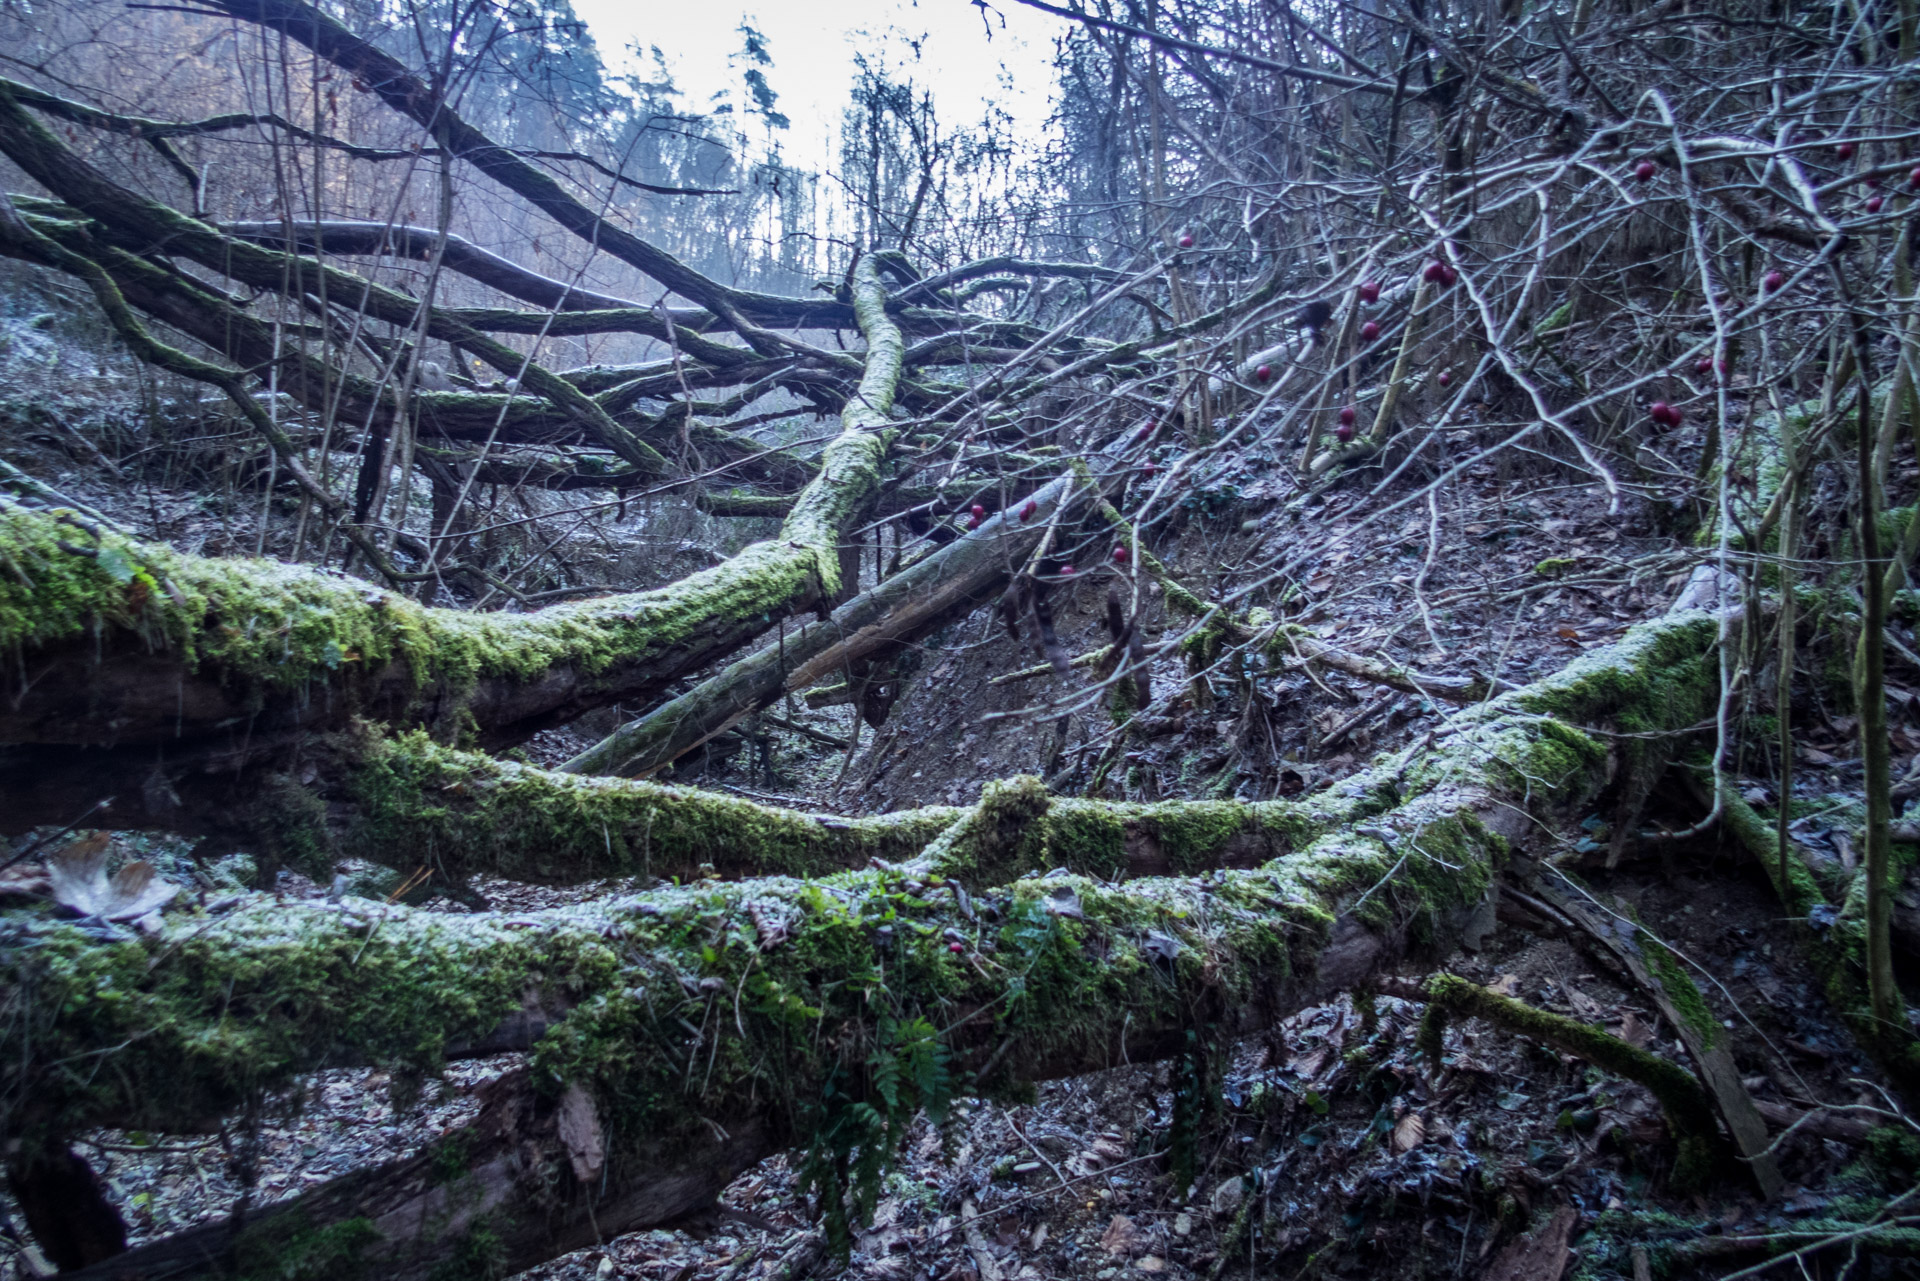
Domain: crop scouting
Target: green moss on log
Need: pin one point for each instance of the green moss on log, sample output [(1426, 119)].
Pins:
[(409, 800), (269, 631), (717, 999), (274, 629)]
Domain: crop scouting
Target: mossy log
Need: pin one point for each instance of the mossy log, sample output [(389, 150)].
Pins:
[(679, 1034), (114, 642)]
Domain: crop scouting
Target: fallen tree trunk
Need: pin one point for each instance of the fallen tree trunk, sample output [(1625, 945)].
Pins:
[(688, 1030), (947, 584), (115, 642)]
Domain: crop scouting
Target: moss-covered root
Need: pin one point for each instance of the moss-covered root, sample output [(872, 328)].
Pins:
[(189, 645), (1689, 1111), (1833, 939)]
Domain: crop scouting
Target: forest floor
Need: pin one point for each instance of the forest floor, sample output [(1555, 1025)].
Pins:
[(1335, 1148)]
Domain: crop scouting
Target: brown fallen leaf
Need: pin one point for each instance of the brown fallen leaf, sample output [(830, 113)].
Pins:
[(1408, 1132), (79, 877), (1119, 1237), (1634, 1031), (579, 1127), (1505, 985)]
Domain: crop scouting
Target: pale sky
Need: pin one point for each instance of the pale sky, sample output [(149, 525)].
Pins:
[(813, 43)]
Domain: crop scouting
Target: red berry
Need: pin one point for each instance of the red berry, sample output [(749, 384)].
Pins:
[(1844, 151), (1445, 378), (957, 948), (973, 522), (1186, 241), (1664, 414), (1369, 332), (1436, 272), (1645, 170), (1448, 275), (1369, 291), (1347, 415), (1874, 203), (1066, 571), (1773, 282), (1913, 179), (1148, 469), (1026, 513), (1704, 365), (1120, 554), (978, 510), (1343, 433), (1263, 373)]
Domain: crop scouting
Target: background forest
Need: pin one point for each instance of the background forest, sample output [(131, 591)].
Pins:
[(1308, 672)]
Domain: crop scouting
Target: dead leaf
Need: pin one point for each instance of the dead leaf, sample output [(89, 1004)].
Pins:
[(1309, 1065), (1505, 985), (1634, 1031), (579, 1128), (1152, 1263), (1583, 1005), (1408, 1132), (1567, 633), (1064, 902), (1227, 1197), (1119, 1237), (78, 875)]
